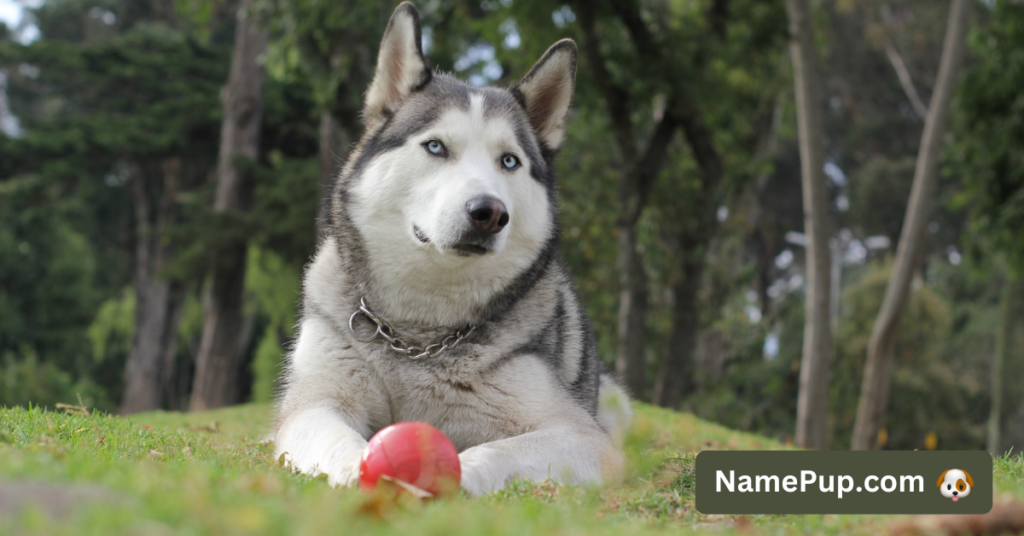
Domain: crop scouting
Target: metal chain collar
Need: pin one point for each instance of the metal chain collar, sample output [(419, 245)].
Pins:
[(385, 331)]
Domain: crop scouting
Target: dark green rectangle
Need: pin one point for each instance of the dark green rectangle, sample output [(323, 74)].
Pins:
[(920, 470)]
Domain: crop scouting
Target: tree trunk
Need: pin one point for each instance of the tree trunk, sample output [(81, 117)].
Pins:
[(630, 362), (642, 169), (762, 236), (675, 375), (635, 187), (1003, 335), (765, 249), (158, 302), (221, 350), (874, 394), (637, 176), (812, 402), (906, 81)]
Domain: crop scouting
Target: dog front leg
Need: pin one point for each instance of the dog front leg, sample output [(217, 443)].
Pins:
[(331, 404), (319, 440), (568, 455)]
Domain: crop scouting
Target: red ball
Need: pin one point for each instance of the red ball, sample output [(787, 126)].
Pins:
[(415, 453)]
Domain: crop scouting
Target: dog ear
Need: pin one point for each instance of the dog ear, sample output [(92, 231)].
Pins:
[(546, 92), (941, 478), (401, 68), (970, 481)]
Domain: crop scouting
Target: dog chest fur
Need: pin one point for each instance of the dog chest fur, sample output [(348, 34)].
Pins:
[(490, 387)]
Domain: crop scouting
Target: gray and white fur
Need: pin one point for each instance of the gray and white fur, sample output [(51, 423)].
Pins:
[(445, 216)]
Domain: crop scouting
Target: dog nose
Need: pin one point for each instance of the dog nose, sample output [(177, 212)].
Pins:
[(488, 213), (955, 493)]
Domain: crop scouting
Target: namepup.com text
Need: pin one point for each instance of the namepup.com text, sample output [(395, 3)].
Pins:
[(825, 483)]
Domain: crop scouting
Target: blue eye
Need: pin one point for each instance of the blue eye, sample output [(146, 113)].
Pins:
[(436, 148), (509, 162)]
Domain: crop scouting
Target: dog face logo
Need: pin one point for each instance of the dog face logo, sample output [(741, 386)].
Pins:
[(955, 484)]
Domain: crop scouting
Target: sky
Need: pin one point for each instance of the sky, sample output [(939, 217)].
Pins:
[(10, 12), (11, 15)]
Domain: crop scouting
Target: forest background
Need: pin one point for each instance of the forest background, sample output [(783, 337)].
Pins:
[(162, 164)]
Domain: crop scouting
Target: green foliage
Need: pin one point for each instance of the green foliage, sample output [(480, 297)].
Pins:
[(113, 95), (274, 287), (46, 297), (754, 391), (933, 389), (148, 93), (939, 375), (990, 132), (878, 196), (112, 330), (329, 45), (588, 209), (24, 379), (283, 219), (103, 108), (267, 366)]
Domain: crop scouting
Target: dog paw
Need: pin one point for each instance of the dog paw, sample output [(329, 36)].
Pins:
[(475, 484), (340, 467), (479, 477), (344, 476)]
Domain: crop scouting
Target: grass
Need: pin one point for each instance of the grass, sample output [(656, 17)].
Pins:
[(213, 473)]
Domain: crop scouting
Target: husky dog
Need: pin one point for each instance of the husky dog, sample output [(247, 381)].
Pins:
[(437, 294)]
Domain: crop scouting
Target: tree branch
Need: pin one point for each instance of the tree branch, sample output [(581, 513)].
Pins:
[(699, 138), (628, 12), (681, 109), (651, 162), (906, 82), (616, 98), (718, 16)]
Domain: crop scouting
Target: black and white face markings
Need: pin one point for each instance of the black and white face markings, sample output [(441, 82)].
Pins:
[(466, 157), (453, 184)]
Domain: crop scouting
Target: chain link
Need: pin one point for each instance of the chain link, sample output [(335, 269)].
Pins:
[(386, 332)]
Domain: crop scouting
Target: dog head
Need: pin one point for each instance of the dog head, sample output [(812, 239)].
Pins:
[(451, 188), (955, 484)]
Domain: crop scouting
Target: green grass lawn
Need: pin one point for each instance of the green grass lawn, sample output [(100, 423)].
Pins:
[(213, 473)]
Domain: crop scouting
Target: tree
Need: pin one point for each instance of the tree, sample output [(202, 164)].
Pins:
[(158, 301), (639, 168), (874, 394), (332, 46), (987, 154), (726, 138), (988, 137), (1003, 336), (125, 133), (225, 327), (812, 408), (668, 82)]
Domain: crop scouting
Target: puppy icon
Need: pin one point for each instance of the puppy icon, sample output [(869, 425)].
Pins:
[(955, 484)]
